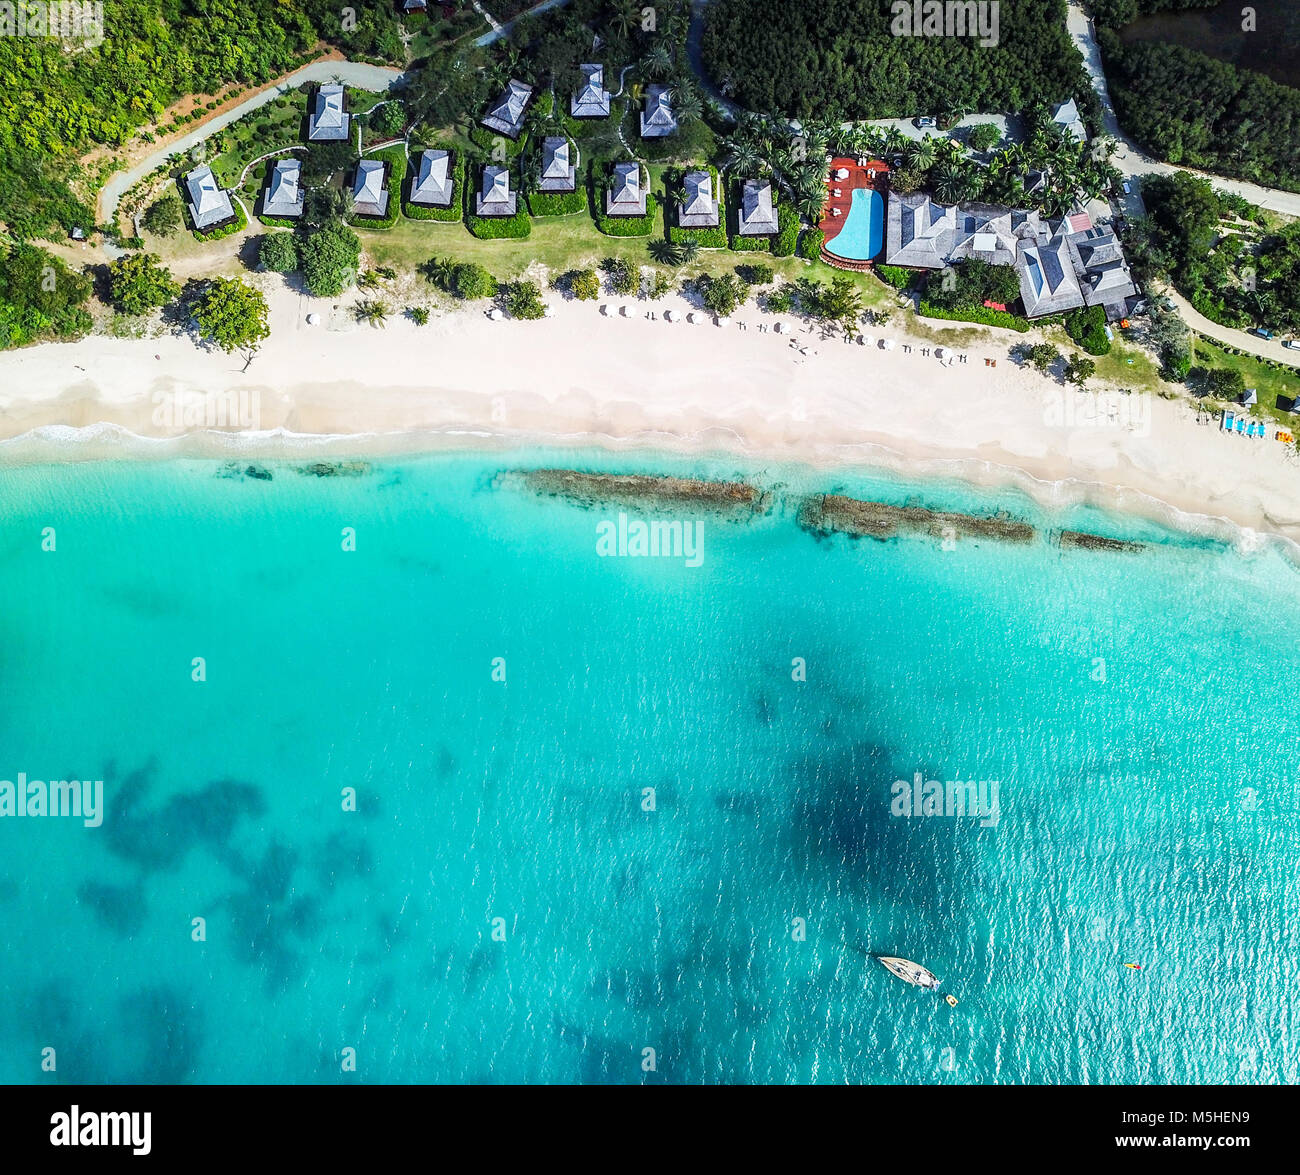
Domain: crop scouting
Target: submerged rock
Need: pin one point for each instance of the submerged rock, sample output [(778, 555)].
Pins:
[(827, 513), (594, 489), (335, 469), (1095, 542)]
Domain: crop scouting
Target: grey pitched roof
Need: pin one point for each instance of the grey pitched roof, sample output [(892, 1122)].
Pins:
[(434, 179), (507, 113), (657, 119), (1048, 284), (757, 212), (559, 168), (495, 197), (284, 192), (328, 121), (369, 191), (626, 195), (591, 99), (1102, 271), (1067, 115), (919, 232), (698, 208), (209, 205)]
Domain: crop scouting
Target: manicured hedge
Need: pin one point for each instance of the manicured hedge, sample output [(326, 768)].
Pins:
[(751, 244), (896, 276), (1087, 327), (557, 203), (787, 238), (395, 157), (236, 226), (279, 221), (453, 211), (980, 314), (810, 246), (621, 226), (707, 238)]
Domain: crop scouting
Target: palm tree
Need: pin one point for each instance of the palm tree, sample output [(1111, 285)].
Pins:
[(892, 142), (949, 186), (920, 153), (666, 252), (658, 61), (690, 250), (687, 104), (625, 17), (743, 157), (810, 206), (373, 311)]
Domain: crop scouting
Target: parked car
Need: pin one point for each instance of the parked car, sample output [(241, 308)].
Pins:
[(1128, 188), (1292, 344), (922, 122), (1263, 332)]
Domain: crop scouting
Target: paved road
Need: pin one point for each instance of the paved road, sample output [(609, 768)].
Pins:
[(1252, 344), (350, 73), (1129, 157), (503, 30)]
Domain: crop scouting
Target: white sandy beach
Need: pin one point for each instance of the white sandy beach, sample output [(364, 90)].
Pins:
[(581, 377)]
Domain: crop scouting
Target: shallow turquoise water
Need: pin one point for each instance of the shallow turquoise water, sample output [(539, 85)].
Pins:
[(864, 228), (1150, 816)]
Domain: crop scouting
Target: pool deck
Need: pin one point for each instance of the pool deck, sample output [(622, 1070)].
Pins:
[(874, 175)]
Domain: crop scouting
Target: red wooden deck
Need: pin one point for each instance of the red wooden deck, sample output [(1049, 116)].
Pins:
[(874, 175)]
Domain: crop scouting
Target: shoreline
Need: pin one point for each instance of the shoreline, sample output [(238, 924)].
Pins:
[(582, 379)]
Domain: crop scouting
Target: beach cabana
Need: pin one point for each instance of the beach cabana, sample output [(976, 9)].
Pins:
[(494, 314)]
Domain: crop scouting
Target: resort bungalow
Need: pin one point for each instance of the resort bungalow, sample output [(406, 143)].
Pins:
[(507, 114), (210, 207), (433, 182), (559, 168), (495, 198), (1067, 115), (757, 216), (284, 192), (591, 100), (626, 194), (657, 119), (328, 121), (699, 208), (370, 188)]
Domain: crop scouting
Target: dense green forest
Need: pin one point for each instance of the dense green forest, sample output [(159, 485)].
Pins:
[(58, 99), (1188, 108), (838, 59), (1113, 13), (1233, 271)]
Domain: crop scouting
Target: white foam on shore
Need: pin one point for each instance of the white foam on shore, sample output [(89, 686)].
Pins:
[(56, 444)]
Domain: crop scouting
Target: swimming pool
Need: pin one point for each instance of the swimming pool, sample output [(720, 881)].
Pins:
[(864, 228)]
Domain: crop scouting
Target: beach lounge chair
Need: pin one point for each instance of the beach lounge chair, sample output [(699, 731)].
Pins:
[(1241, 426), (1228, 418)]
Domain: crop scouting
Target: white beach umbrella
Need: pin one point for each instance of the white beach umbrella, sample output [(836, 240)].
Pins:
[(313, 319), (604, 308), (494, 314), (722, 321), (866, 340), (625, 311), (693, 318), (670, 316), (549, 312), (888, 344)]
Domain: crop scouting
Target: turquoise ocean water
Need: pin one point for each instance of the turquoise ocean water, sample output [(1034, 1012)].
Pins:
[(1138, 711)]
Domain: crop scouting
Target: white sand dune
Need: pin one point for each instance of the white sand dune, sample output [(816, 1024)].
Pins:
[(580, 377)]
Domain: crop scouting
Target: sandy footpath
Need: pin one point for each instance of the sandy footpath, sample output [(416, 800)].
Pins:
[(588, 375)]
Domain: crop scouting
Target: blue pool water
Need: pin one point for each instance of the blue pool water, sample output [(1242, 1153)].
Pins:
[(1138, 712), (863, 233)]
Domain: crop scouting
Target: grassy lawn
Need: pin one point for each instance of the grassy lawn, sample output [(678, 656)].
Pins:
[(277, 124), (1269, 382)]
